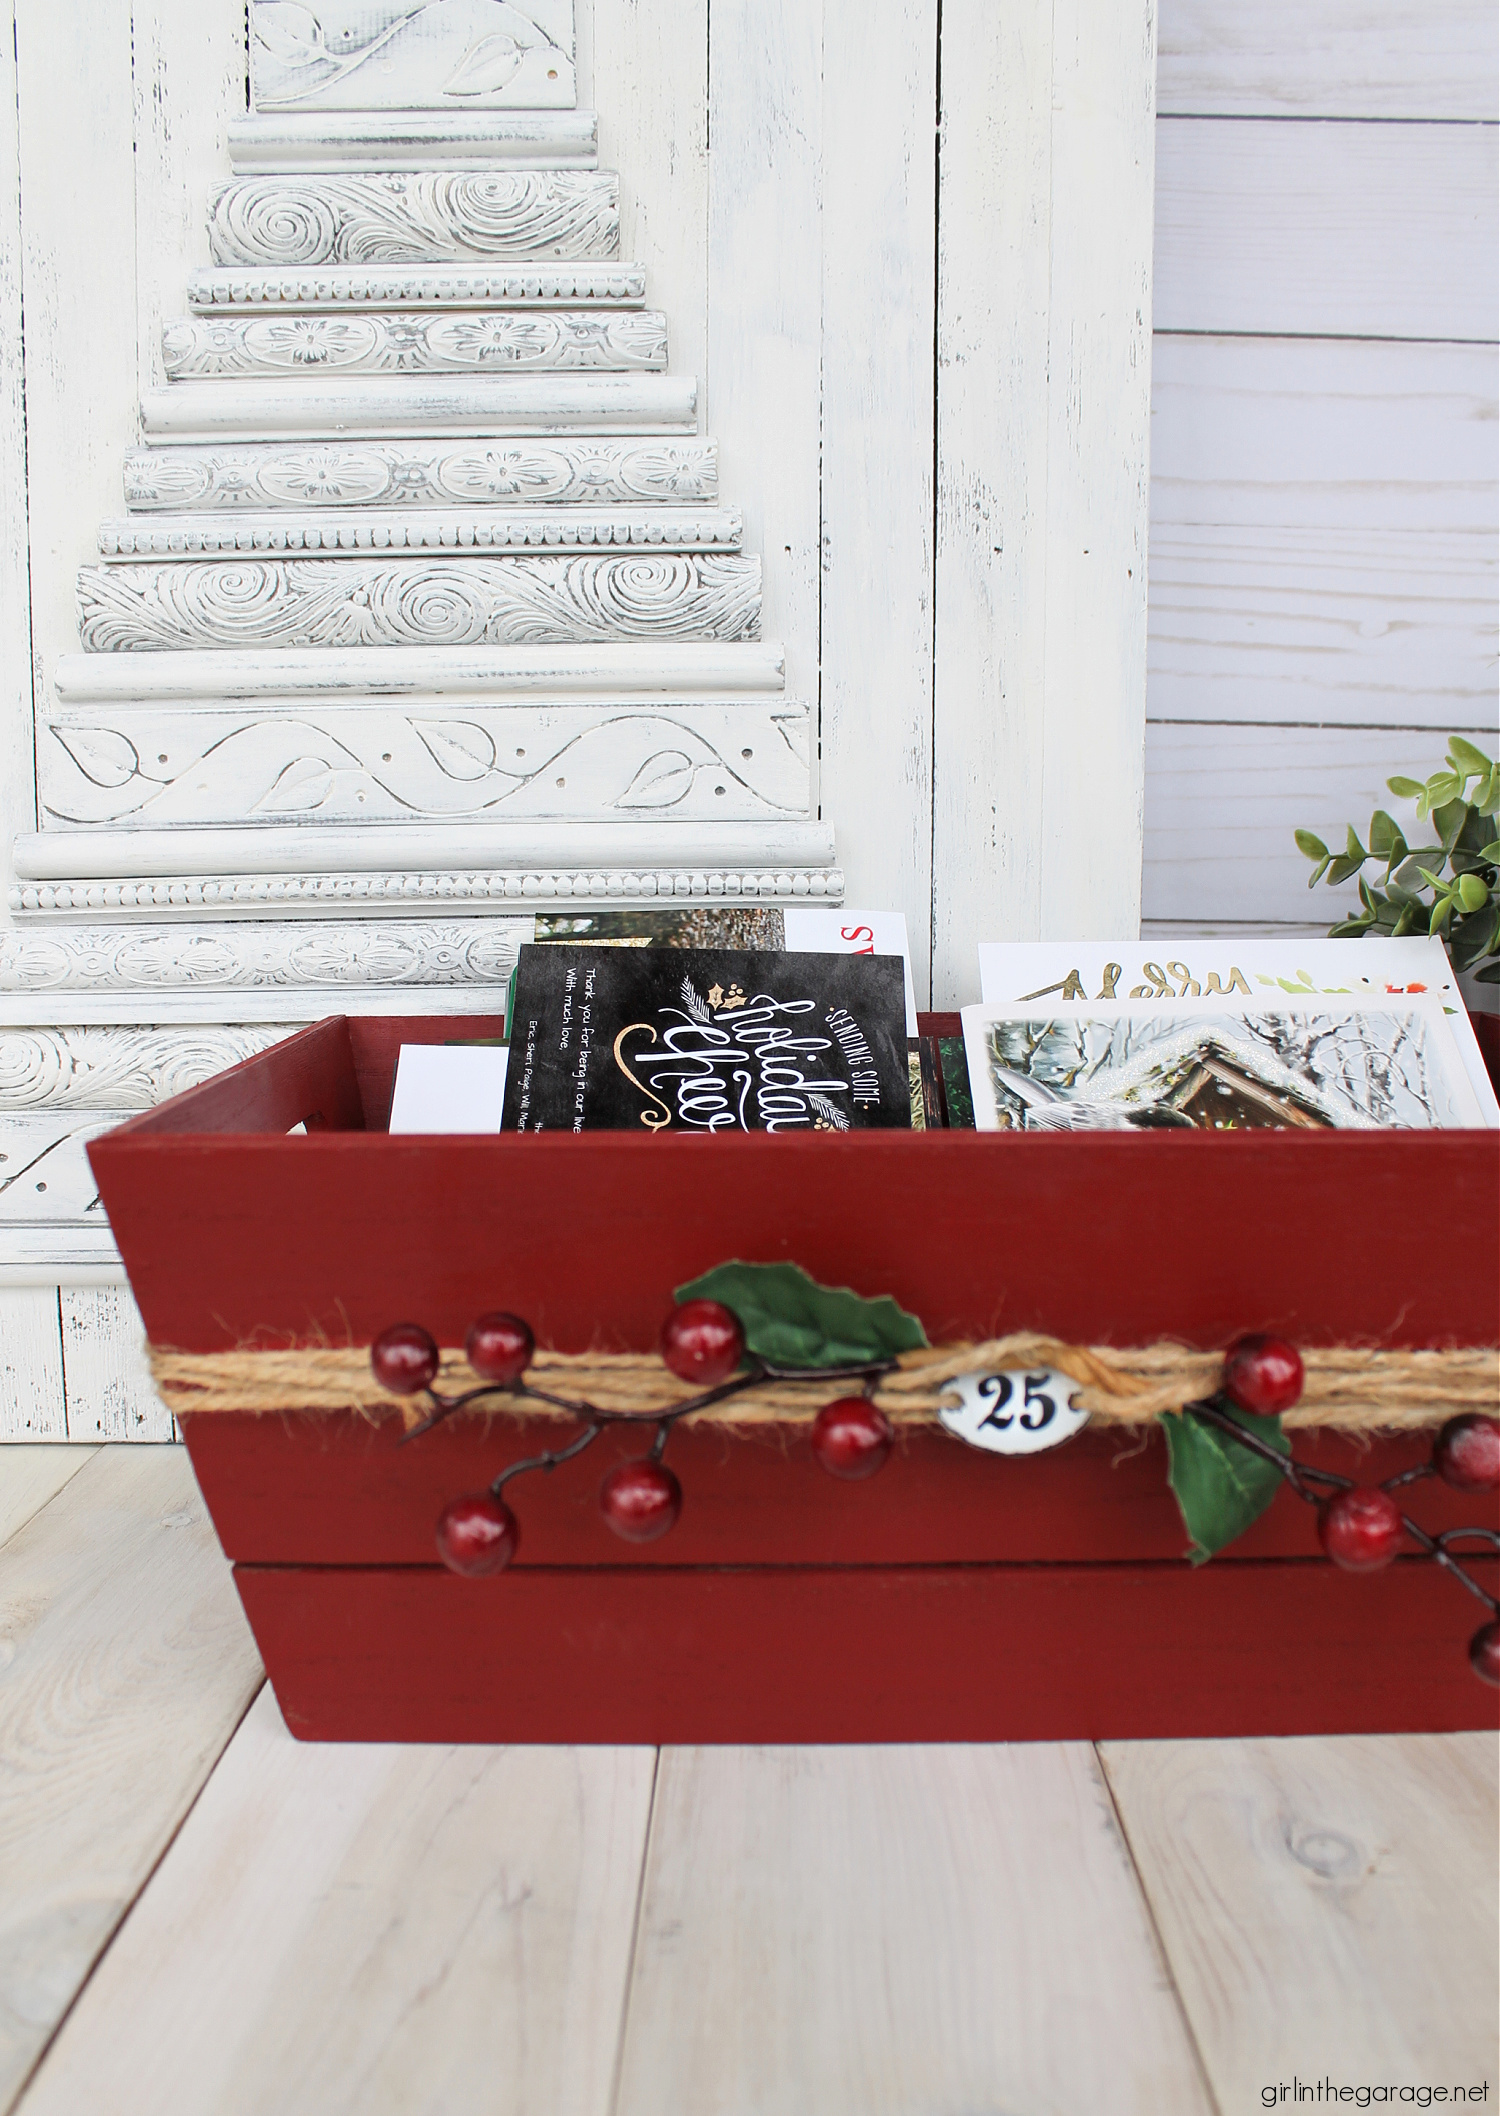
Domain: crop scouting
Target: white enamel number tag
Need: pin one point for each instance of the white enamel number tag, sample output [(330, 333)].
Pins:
[(1014, 1414)]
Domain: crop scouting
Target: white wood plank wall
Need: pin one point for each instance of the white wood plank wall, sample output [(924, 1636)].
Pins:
[(1323, 521)]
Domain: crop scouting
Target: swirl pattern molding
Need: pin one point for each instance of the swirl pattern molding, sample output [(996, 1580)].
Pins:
[(510, 529), (120, 1068), (473, 342), (434, 286), (372, 763), (231, 894), (415, 217), (251, 958), (430, 473), (458, 55), (453, 602)]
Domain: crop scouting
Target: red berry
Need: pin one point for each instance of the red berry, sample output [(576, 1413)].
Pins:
[(1466, 1453), (1484, 1653), (499, 1347), (703, 1342), (404, 1358), (1360, 1529), (477, 1534), (640, 1500), (1263, 1375), (851, 1438)]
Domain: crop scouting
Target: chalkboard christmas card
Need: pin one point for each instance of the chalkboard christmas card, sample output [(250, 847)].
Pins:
[(706, 1040)]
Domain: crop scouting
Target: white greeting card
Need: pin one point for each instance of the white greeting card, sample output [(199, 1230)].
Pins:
[(854, 933), (446, 1087), (1217, 1064)]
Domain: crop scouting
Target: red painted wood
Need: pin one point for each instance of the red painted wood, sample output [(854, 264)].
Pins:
[(340, 1491), (942, 1653), (1487, 1034), (1323, 1236)]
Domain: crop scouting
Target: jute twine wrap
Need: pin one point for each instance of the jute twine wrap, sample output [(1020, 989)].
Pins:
[(1347, 1388)]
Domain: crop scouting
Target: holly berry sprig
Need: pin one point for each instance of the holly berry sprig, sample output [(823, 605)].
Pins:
[(702, 1342), (1360, 1526)]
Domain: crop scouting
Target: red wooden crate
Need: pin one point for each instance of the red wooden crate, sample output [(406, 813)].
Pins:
[(958, 1595)]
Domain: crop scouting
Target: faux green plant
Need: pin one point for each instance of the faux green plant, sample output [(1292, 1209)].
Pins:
[(1452, 887)]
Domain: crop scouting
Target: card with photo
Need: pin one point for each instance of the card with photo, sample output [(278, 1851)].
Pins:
[(1254, 971), (1154, 1066)]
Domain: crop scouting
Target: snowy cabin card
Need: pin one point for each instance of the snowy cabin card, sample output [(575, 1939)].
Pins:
[(1153, 1066), (706, 1040)]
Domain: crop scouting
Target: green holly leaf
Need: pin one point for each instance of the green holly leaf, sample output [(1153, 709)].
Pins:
[(1221, 1487), (792, 1321)]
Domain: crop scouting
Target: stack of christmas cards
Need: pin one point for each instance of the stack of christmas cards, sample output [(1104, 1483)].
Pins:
[(1246, 1035)]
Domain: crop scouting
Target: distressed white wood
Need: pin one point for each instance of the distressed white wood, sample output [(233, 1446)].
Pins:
[(416, 602), (595, 763), (765, 348), (31, 1390), (106, 1379), (31, 1478), (649, 64), (872, 1931), (189, 79), (1043, 302), (665, 668), (1334, 58), (405, 869), (385, 286), (80, 293), (1222, 803), (117, 1069), (1376, 231), (128, 1664), (1327, 1906), (414, 342), (429, 404), (879, 238), (428, 529), (1319, 624), (17, 759), (1303, 433), (604, 470), (414, 217), (330, 141), (415, 1928), (389, 54), (181, 966)]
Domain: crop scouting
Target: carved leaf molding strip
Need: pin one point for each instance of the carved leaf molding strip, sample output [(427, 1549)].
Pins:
[(370, 287), (258, 957), (458, 602), (119, 1069), (415, 217), (353, 892), (474, 342), (512, 529), (422, 474), (372, 765)]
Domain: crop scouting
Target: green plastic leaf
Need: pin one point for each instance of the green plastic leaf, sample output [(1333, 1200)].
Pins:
[(1450, 820), (1489, 975), (792, 1321), (1221, 1487), (1343, 867), (1404, 921), (1353, 850), (1386, 841), (1472, 893), (1408, 789), (1313, 846), (1466, 758)]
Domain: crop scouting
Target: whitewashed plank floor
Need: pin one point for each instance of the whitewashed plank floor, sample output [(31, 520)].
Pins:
[(199, 1917)]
